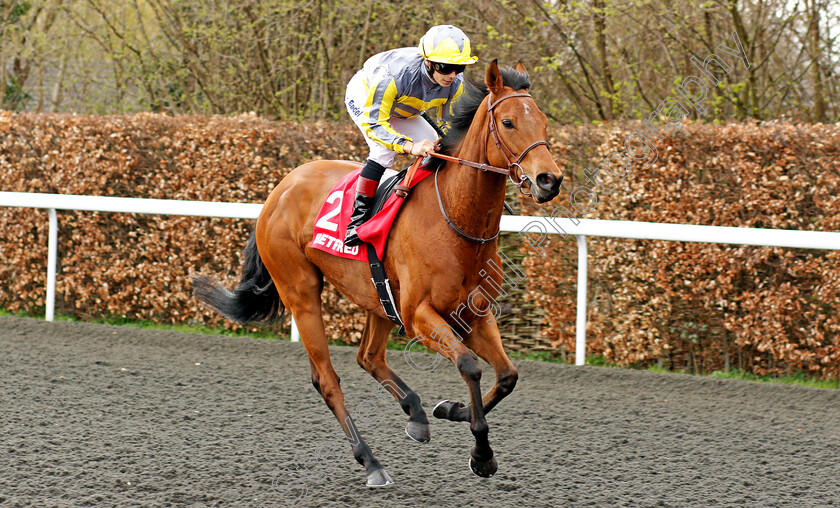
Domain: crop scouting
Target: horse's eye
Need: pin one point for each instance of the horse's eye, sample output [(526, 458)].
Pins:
[(507, 123)]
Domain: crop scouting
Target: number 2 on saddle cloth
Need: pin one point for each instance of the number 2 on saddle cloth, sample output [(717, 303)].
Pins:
[(334, 216)]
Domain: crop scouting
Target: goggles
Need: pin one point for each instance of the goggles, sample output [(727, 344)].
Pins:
[(445, 68)]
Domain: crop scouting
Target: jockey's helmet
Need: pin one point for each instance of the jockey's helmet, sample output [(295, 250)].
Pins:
[(446, 44)]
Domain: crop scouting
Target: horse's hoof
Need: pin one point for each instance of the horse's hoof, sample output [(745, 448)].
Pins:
[(484, 469), (418, 431), (441, 409), (379, 478), (452, 411)]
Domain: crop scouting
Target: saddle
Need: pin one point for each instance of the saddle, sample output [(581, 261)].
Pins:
[(385, 189), (331, 226)]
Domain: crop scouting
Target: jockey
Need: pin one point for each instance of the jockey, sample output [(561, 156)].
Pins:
[(385, 100)]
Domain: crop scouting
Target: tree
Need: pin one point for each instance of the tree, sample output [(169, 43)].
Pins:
[(598, 61)]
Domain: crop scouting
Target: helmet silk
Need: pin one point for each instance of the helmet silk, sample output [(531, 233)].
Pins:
[(446, 44)]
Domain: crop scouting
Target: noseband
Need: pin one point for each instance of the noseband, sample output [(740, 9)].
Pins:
[(509, 171)]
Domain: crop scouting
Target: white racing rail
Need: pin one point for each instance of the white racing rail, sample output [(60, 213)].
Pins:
[(510, 224)]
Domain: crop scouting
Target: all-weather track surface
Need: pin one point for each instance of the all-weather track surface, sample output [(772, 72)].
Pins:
[(96, 415)]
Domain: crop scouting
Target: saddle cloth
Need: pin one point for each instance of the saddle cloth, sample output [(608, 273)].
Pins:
[(334, 216)]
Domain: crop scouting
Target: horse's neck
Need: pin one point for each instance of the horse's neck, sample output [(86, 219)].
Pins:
[(473, 198)]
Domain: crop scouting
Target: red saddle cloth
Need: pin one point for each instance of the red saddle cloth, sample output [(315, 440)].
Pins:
[(331, 222)]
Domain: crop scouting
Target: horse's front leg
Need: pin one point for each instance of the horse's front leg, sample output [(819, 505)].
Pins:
[(486, 342), (438, 336)]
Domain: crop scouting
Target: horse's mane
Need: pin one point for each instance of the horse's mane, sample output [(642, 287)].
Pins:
[(465, 108)]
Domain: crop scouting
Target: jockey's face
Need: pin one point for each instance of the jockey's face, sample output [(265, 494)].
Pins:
[(442, 79)]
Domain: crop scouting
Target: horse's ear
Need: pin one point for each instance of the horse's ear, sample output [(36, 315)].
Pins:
[(521, 70), (494, 78)]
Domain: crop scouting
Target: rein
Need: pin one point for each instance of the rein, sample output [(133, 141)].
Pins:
[(480, 241), (509, 171)]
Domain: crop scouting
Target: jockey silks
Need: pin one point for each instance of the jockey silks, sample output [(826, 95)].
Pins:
[(395, 85)]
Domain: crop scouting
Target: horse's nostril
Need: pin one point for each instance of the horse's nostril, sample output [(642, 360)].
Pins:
[(548, 182)]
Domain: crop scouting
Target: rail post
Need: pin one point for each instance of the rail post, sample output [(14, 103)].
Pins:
[(295, 332), (52, 261), (580, 327)]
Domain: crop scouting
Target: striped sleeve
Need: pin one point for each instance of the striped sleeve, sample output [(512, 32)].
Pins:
[(379, 107)]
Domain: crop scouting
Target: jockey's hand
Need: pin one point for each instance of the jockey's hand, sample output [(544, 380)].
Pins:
[(421, 147)]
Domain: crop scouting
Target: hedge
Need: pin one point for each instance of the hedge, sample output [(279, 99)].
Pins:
[(705, 307)]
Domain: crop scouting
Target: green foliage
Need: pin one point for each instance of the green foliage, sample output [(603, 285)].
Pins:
[(658, 369), (19, 10), (799, 379), (539, 356), (599, 361), (14, 96), (254, 332)]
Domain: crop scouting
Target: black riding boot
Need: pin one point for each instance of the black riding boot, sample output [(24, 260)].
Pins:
[(365, 192)]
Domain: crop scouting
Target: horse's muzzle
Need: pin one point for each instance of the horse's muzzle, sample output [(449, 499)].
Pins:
[(548, 185)]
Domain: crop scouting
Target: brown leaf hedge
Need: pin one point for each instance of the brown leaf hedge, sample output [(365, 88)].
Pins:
[(137, 266), (698, 307), (704, 307)]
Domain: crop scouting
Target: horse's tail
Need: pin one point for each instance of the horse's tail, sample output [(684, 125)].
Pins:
[(254, 299)]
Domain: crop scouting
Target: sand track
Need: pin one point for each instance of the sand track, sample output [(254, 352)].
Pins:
[(104, 415)]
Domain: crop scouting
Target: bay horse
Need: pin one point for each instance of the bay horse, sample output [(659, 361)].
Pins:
[(433, 263)]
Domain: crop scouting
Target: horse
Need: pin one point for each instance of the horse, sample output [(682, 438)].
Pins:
[(443, 236)]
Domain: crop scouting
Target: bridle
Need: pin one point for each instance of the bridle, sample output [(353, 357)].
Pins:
[(506, 152)]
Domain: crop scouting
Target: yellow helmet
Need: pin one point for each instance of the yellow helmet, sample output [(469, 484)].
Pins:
[(446, 44)]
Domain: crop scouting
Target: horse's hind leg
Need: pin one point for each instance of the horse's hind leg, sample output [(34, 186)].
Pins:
[(371, 357), (300, 291)]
